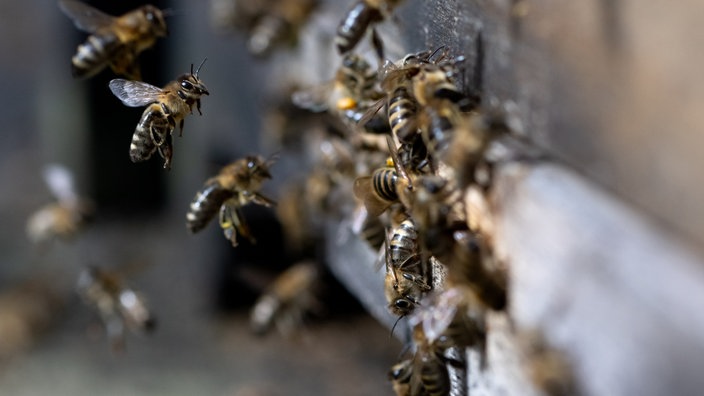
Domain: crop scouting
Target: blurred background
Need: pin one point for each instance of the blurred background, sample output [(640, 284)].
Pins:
[(51, 342)]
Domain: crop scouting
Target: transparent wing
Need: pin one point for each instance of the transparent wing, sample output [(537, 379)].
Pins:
[(134, 93), (85, 17), (60, 182), (315, 98)]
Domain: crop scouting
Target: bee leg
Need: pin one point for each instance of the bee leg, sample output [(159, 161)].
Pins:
[(198, 106), (227, 224), (263, 200), (166, 152), (242, 226), (378, 46), (180, 128)]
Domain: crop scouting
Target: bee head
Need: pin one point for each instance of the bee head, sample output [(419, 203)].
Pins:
[(257, 166), (191, 85), (156, 20)]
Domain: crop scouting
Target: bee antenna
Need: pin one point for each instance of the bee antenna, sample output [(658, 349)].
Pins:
[(169, 12), (198, 69), (394, 326)]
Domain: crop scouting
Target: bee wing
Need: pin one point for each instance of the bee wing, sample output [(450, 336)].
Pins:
[(85, 17), (134, 93), (315, 99), (60, 182)]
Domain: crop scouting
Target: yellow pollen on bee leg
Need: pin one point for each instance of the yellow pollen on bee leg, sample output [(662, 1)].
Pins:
[(346, 103)]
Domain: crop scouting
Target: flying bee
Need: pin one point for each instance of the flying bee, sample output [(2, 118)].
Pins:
[(236, 185), (166, 108), (407, 272), (63, 218), (119, 306), (279, 24), (286, 300), (359, 19), (114, 41)]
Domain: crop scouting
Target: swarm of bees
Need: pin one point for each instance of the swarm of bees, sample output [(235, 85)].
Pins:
[(394, 151)]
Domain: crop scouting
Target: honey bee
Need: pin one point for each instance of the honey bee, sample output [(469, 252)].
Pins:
[(114, 41), (119, 306), (279, 24), (407, 271), (449, 241), (166, 108), (359, 19), (236, 185), (453, 317), (400, 376), (385, 186), (286, 300), (347, 96), (63, 218)]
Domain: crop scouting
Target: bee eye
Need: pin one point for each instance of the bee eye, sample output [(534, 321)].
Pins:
[(186, 84), (150, 16), (402, 304), (251, 164)]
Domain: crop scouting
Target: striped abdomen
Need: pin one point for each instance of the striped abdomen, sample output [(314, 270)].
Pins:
[(384, 184), (404, 245), (434, 376), (93, 55), (152, 131), (205, 205), (355, 24), (402, 111)]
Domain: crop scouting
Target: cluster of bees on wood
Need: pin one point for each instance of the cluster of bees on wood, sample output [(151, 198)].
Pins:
[(398, 151)]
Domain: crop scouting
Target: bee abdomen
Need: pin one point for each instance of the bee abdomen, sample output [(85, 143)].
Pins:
[(205, 205), (353, 26), (384, 184), (404, 242), (435, 378), (402, 109), (93, 55), (143, 144)]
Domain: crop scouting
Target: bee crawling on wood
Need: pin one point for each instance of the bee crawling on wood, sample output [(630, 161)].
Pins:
[(236, 185)]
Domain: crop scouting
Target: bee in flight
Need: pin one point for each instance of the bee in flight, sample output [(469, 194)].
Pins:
[(287, 300), (114, 41), (236, 185), (166, 107), (63, 218), (119, 306)]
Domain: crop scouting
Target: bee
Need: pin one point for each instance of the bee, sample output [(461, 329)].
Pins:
[(449, 241), (407, 271), (286, 300), (236, 185), (385, 186), (114, 41), (347, 96), (278, 24), (63, 218), (451, 318), (166, 108), (400, 376), (119, 306), (359, 19)]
